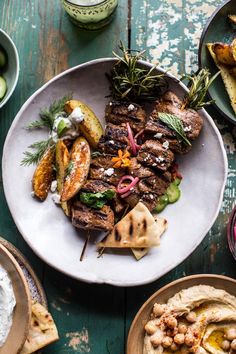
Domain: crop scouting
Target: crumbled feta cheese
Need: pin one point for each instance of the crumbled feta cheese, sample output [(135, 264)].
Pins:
[(154, 164), (131, 107), (32, 194), (111, 142), (109, 172), (158, 135), (203, 145), (188, 129), (160, 159), (166, 144), (151, 196), (76, 116), (102, 169), (110, 103), (56, 198), (53, 186)]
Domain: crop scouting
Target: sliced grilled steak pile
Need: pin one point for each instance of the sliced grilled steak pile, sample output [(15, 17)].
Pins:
[(95, 186), (191, 120), (100, 167), (123, 112), (87, 218), (114, 138), (136, 169), (154, 154)]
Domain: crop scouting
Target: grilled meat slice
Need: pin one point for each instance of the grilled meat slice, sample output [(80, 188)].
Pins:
[(87, 218), (136, 169), (123, 112), (154, 154), (148, 199), (155, 184), (114, 138), (119, 204), (99, 168), (191, 120), (95, 186)]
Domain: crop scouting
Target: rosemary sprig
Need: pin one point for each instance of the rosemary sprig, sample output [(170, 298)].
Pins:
[(33, 157), (174, 123), (198, 86), (48, 115), (132, 82)]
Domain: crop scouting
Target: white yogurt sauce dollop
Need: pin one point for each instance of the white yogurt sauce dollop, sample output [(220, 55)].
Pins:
[(7, 304)]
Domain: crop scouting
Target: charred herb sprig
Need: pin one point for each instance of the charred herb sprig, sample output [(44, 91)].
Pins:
[(132, 82), (198, 86), (46, 119)]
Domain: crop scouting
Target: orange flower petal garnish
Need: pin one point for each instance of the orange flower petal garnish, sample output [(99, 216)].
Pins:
[(122, 160)]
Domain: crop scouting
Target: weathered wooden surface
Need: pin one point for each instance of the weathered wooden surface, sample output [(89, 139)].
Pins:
[(95, 319)]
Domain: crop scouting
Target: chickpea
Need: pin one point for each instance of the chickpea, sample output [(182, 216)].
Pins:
[(150, 328), (189, 339), (225, 345), (172, 332), (174, 347), (191, 317), (233, 344), (171, 321), (179, 338), (182, 328), (156, 341), (167, 341), (159, 309), (231, 334)]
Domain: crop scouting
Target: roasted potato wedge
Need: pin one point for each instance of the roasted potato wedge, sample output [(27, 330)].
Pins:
[(90, 127), (225, 53), (228, 79), (62, 161), (232, 19), (77, 169), (43, 175)]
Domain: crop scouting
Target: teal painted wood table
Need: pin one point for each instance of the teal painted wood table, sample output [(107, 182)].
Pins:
[(91, 318)]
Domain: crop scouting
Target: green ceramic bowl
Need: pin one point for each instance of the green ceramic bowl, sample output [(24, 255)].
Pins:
[(218, 29), (11, 73)]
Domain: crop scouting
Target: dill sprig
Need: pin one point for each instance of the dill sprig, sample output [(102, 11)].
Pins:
[(33, 157), (198, 86), (48, 115), (131, 81)]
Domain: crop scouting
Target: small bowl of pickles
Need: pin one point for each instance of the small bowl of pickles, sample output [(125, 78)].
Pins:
[(9, 67)]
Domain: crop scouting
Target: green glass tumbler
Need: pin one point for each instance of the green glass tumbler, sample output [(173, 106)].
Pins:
[(90, 14)]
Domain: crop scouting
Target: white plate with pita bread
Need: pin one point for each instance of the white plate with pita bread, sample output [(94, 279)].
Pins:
[(52, 236)]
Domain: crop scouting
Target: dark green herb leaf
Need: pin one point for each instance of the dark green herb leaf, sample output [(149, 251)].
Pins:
[(69, 168), (198, 86), (40, 148), (174, 123), (96, 154), (97, 200), (48, 115)]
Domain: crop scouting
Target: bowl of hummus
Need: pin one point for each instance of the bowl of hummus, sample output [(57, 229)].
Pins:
[(195, 314), (15, 304)]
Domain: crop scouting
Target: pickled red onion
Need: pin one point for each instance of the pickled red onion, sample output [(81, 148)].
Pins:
[(122, 190), (133, 144)]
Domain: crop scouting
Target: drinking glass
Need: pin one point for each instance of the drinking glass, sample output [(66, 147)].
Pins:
[(90, 14)]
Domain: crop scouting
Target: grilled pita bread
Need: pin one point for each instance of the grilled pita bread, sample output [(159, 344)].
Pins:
[(137, 229), (228, 79), (42, 330), (162, 225)]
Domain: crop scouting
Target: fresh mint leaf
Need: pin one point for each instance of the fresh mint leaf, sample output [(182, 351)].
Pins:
[(96, 200), (174, 123)]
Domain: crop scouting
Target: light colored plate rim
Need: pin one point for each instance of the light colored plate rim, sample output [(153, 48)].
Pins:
[(9, 94), (27, 292), (200, 49), (168, 286), (101, 280)]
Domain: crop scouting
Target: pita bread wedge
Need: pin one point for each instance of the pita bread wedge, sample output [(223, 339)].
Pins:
[(42, 330), (161, 225), (137, 229), (228, 79)]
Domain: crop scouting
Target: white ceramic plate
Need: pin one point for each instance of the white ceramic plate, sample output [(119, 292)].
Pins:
[(51, 235)]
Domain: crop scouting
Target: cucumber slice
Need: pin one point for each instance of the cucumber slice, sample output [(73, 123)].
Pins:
[(177, 181), (3, 87), (162, 203), (173, 193)]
